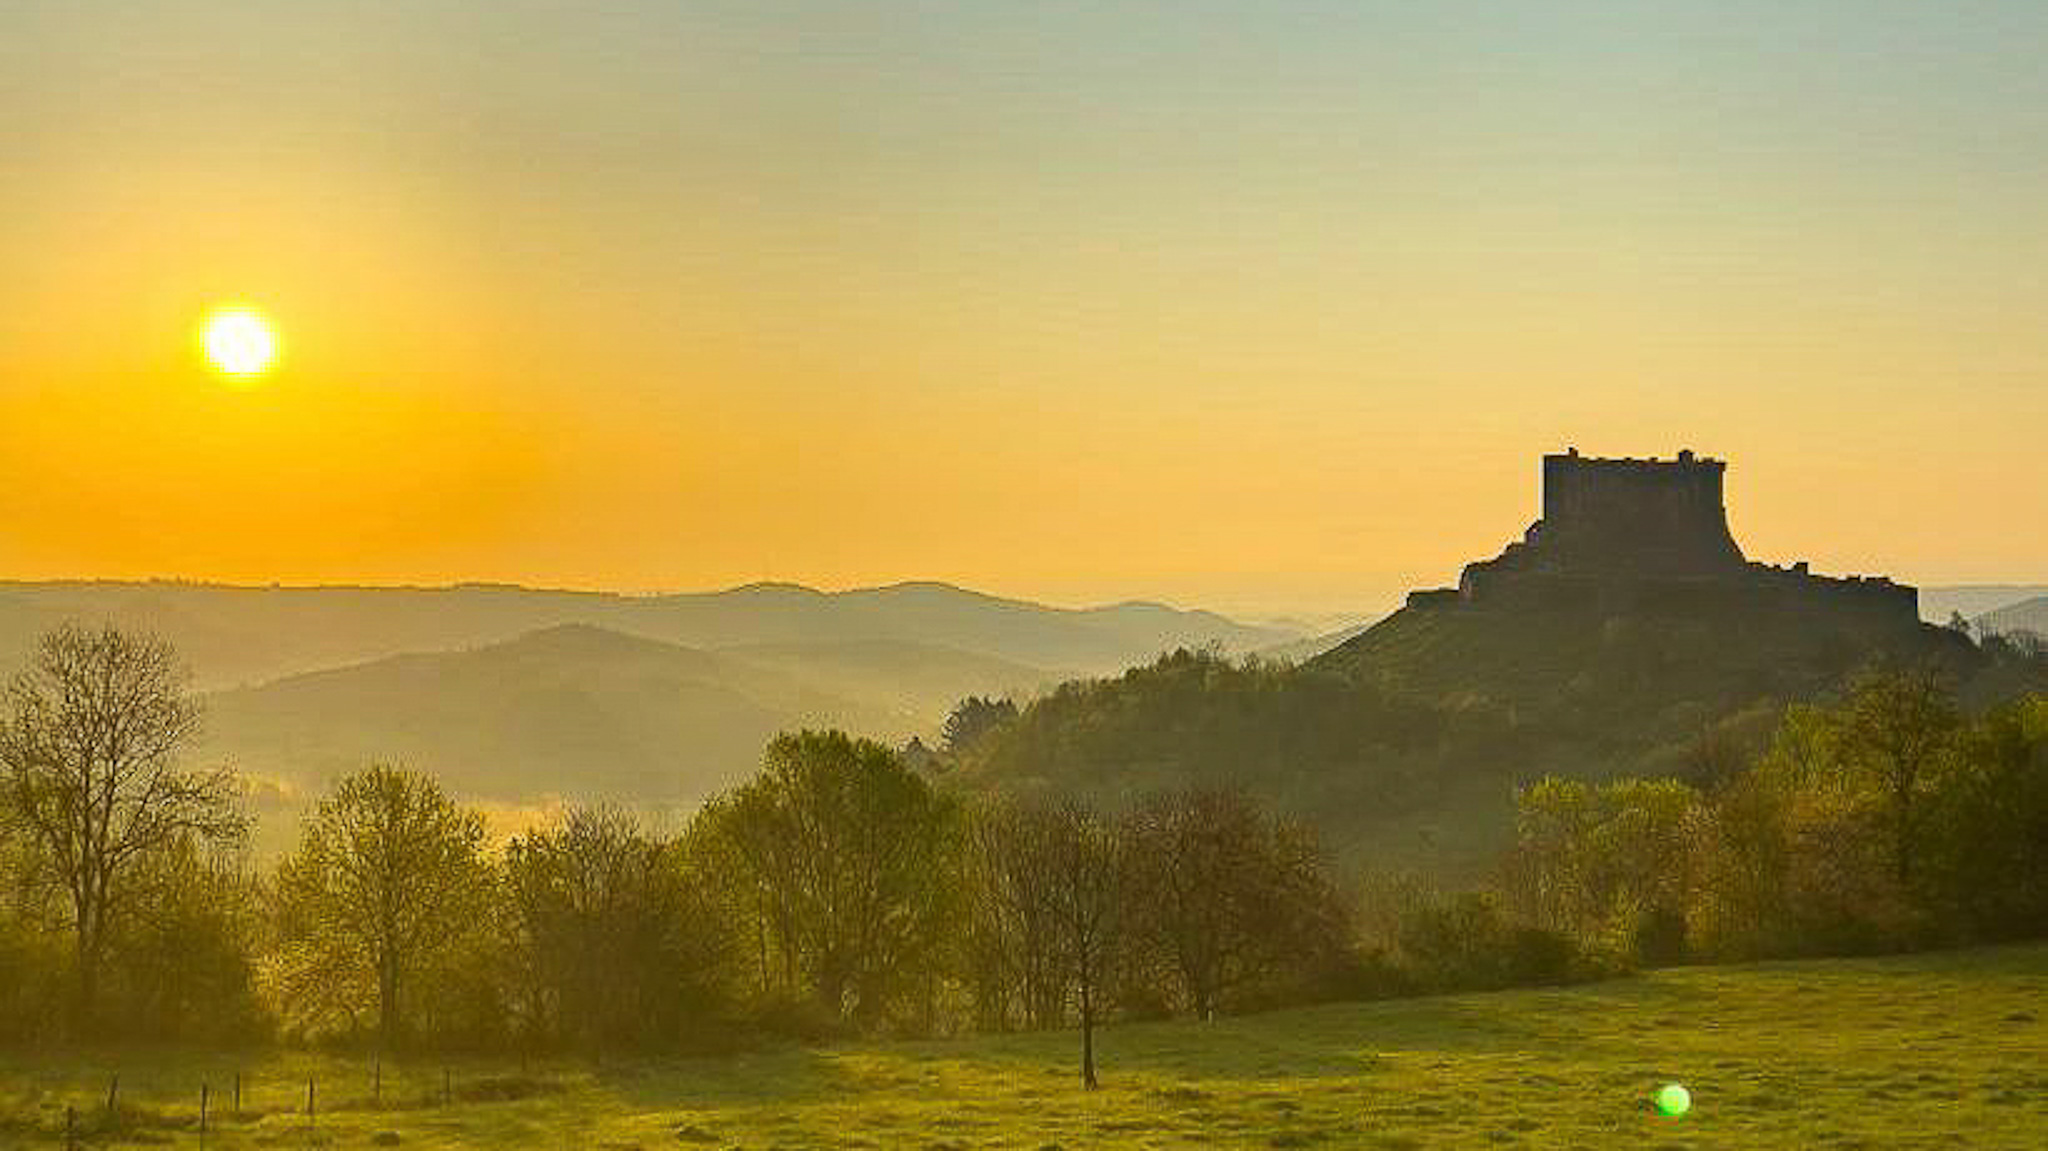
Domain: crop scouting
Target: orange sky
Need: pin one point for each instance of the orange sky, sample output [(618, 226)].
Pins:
[(1261, 309)]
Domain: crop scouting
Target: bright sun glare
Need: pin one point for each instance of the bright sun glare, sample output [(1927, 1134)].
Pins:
[(240, 343)]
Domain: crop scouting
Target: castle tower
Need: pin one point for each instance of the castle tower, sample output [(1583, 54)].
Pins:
[(1646, 517)]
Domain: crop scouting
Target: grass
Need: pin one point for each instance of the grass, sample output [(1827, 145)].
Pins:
[(1943, 1050)]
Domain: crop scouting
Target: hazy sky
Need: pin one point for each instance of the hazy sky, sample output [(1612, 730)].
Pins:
[(1255, 305)]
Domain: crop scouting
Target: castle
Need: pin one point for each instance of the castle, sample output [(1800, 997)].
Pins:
[(1628, 535)]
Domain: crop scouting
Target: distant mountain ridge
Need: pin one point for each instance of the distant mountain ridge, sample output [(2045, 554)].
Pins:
[(1938, 604), (1303, 650), (234, 635), (2027, 615)]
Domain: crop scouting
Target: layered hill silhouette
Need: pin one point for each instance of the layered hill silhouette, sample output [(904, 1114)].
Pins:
[(1939, 604), (1303, 650), (570, 712), (1624, 634), (516, 695), (239, 636), (2027, 615)]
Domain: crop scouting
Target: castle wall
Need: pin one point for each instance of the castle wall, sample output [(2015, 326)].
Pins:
[(1760, 590)]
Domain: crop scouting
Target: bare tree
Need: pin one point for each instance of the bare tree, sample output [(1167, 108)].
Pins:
[(90, 748), (1090, 859), (1013, 931)]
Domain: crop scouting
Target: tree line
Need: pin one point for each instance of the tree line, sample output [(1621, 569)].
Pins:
[(841, 891), (1888, 819), (838, 891)]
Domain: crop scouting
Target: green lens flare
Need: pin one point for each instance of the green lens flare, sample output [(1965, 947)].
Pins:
[(1672, 1100)]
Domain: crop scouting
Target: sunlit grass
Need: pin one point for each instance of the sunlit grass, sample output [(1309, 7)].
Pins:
[(1944, 1050)]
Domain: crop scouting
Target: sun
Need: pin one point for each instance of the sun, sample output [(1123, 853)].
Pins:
[(239, 342)]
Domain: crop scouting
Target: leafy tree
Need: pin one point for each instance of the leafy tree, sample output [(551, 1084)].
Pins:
[(1988, 827), (34, 978), (89, 747), (618, 938), (181, 965), (1606, 863), (1829, 850), (1465, 942), (973, 719), (1897, 727), (1741, 861), (847, 852), (387, 892), (1229, 897)]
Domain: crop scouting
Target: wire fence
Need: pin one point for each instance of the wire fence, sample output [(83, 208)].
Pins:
[(241, 1098)]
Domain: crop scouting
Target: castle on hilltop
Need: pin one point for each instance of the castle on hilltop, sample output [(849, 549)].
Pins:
[(1629, 534)]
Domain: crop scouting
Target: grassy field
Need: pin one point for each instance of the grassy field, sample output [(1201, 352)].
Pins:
[(1944, 1050)]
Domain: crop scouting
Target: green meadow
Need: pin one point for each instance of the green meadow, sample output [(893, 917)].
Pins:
[(1937, 1050)]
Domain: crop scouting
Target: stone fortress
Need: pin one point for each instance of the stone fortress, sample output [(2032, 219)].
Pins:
[(1627, 535)]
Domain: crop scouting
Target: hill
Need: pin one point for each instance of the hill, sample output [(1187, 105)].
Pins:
[(1404, 743), (1937, 604), (1302, 650), (574, 711), (2027, 615), (1944, 1049), (1625, 633), (235, 636), (1643, 668), (917, 682)]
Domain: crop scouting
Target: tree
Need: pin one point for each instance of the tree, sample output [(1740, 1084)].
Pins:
[(180, 966), (1742, 855), (622, 946), (1013, 936), (1986, 866), (972, 720), (846, 852), (1090, 859), (90, 747), (1228, 897), (389, 879), (1606, 862), (1896, 727), (34, 983)]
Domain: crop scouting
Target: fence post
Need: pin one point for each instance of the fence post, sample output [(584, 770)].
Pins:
[(238, 1093), (447, 1088), (205, 1096), (114, 1093), (377, 1081), (310, 1114), (70, 1128)]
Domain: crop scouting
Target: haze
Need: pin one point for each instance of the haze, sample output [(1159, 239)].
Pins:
[(1267, 307)]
